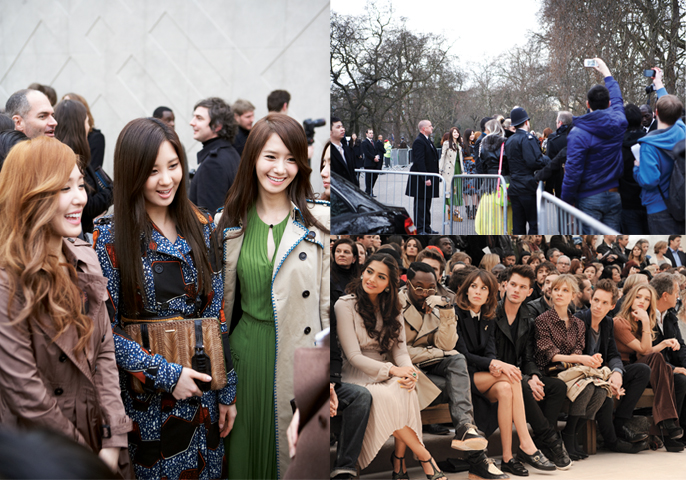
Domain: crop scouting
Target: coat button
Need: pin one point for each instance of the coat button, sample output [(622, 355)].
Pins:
[(302, 256), (59, 391), (306, 293), (63, 358), (158, 268), (307, 330), (311, 234)]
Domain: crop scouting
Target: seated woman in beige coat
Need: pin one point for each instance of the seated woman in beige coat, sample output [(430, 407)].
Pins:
[(370, 329), (57, 365)]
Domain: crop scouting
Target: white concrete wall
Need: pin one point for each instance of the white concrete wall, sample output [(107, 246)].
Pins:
[(127, 57)]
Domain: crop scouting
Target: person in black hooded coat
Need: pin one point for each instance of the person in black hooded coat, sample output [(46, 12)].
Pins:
[(634, 214)]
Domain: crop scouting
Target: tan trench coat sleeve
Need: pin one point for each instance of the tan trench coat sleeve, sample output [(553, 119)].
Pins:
[(446, 336), (23, 392)]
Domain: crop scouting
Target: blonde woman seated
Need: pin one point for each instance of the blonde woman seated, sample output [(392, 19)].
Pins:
[(371, 333), (634, 331)]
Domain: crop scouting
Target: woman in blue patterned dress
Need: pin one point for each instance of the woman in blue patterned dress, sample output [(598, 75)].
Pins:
[(469, 191), (157, 263)]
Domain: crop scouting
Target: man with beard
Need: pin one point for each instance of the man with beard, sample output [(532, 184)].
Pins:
[(431, 335), (583, 298), (542, 271), (514, 339)]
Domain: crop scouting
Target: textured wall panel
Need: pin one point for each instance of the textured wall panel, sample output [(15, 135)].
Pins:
[(128, 57)]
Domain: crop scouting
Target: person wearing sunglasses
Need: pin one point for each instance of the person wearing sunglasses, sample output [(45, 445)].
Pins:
[(431, 335)]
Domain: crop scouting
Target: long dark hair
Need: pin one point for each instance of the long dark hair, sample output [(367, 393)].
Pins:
[(70, 130), (467, 145), (453, 144), (388, 304), (134, 159), (243, 192), (488, 308)]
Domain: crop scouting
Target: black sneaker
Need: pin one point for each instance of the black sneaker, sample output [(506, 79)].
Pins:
[(485, 469), (435, 429), (556, 452), (467, 438)]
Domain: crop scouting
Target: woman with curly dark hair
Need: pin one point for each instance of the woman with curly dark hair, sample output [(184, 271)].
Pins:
[(496, 385), (370, 329)]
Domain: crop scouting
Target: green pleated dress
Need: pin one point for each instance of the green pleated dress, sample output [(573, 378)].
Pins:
[(251, 446)]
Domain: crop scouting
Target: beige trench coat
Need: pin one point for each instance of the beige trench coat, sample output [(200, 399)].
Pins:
[(446, 167), (300, 300), (44, 384)]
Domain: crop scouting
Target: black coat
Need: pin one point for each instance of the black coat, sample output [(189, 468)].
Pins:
[(489, 159), (345, 169), (217, 166), (476, 341), (369, 152), (241, 138), (670, 326), (525, 158), (614, 249), (565, 244), (557, 141), (357, 150), (380, 150), (518, 351), (96, 142), (608, 346), (424, 159), (670, 256), (98, 200), (629, 190)]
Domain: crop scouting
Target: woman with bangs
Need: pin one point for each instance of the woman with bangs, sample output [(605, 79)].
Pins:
[(634, 332), (154, 252), (496, 385), (57, 359), (276, 287)]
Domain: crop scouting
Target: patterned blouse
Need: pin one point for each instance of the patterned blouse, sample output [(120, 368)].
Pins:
[(553, 337), (171, 438)]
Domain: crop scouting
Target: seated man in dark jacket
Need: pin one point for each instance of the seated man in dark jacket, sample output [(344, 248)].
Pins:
[(627, 382), (544, 303), (514, 339)]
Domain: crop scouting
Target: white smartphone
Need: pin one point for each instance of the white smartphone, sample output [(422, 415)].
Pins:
[(590, 62)]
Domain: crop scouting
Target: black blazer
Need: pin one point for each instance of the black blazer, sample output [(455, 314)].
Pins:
[(608, 347), (475, 341), (369, 152), (670, 256), (424, 159), (345, 169), (517, 351), (670, 325)]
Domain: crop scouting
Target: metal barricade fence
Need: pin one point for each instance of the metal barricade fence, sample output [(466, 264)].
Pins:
[(390, 187), (477, 204), (400, 157), (558, 217)]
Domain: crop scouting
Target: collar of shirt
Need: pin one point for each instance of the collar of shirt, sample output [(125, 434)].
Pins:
[(475, 315), (659, 322)]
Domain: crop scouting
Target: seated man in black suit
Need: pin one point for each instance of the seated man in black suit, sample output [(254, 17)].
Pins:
[(667, 287), (676, 256), (627, 381), (342, 157)]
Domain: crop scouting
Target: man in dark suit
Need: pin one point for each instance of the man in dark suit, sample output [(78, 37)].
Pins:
[(342, 158), (676, 256), (667, 328), (372, 161), (379, 148), (423, 189)]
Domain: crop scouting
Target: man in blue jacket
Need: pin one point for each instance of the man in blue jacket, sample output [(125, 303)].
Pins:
[(653, 170), (594, 154)]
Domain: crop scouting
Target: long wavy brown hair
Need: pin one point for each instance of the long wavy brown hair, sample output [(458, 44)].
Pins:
[(488, 308), (388, 304), (31, 180), (625, 311)]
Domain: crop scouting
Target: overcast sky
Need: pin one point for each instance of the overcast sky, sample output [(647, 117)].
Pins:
[(477, 30)]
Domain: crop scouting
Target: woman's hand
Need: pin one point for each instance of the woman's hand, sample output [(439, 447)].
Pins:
[(292, 433), (333, 400), (227, 415), (408, 383), (498, 368), (641, 315), (186, 387), (590, 361), (110, 456), (403, 371)]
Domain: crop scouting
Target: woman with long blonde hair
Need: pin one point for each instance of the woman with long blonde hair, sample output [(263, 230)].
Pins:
[(57, 364), (634, 334)]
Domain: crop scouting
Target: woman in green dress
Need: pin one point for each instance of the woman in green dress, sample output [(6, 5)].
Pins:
[(276, 267)]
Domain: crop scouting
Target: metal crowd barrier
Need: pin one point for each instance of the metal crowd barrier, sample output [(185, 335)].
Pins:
[(558, 217), (390, 188), (400, 157), (488, 193)]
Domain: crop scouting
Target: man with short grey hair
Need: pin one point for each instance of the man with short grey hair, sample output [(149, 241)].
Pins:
[(666, 329), (423, 189), (32, 113), (563, 264)]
